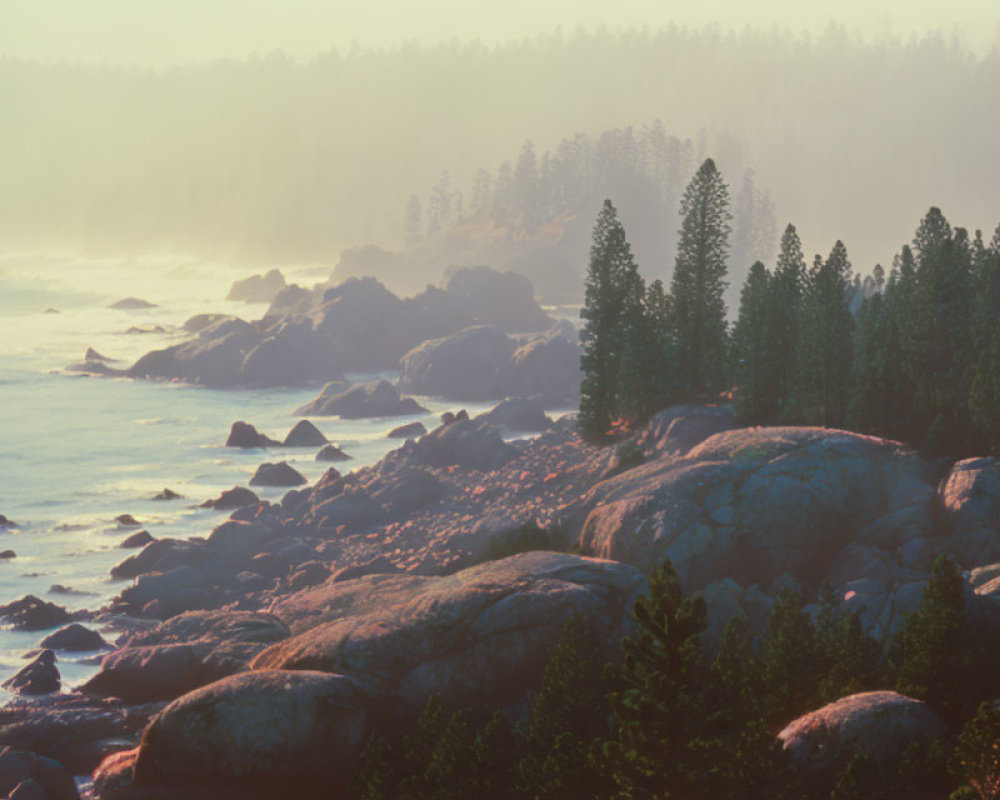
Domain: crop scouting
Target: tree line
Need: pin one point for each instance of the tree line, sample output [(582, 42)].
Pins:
[(670, 718), (913, 356)]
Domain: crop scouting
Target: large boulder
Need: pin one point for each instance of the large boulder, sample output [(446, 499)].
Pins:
[(522, 414), (479, 636), (504, 299), (18, 767), (374, 399), (274, 362), (41, 676), (971, 500), (31, 614), (75, 638), (301, 731), (469, 444), (464, 366), (548, 366), (237, 497), (676, 430), (257, 288), (879, 725)]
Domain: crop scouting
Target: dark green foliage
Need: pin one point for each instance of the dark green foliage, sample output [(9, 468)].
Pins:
[(984, 398), (977, 754), (785, 310), (793, 663), (919, 773), (757, 371), (933, 657), (661, 357), (698, 283), (825, 354)]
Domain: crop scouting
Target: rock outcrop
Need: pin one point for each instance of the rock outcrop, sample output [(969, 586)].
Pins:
[(519, 414), (464, 366), (409, 431), (41, 676), (75, 638), (374, 399), (237, 497), (243, 434), (31, 614), (504, 299), (257, 288), (305, 434), (280, 474)]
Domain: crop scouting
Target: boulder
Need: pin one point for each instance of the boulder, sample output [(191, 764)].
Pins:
[(41, 676), (375, 399), (332, 453), (504, 299), (31, 614), (159, 555), (409, 431), (7, 555), (29, 789), (280, 474), (522, 414), (167, 494), (676, 430), (480, 636), (7, 523), (127, 521), (755, 504), (305, 434), (237, 497), (160, 595), (137, 539), (131, 304), (275, 361), (468, 444), (75, 638), (971, 500), (548, 366), (17, 767), (243, 434), (463, 366), (199, 322), (257, 288), (879, 725), (301, 730), (293, 299)]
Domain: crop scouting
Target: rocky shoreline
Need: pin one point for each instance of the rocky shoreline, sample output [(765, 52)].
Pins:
[(448, 569)]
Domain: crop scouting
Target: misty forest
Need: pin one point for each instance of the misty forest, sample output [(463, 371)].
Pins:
[(639, 399)]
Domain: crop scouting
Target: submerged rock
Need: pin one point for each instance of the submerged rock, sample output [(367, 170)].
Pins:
[(41, 676), (280, 474)]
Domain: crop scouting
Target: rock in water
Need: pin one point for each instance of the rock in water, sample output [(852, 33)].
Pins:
[(463, 366), (7, 523), (332, 453), (131, 304), (41, 676), (127, 521), (137, 539), (280, 474), (410, 431), (375, 399), (167, 494), (305, 434), (31, 614), (243, 434), (6, 555), (75, 638), (237, 497), (93, 355)]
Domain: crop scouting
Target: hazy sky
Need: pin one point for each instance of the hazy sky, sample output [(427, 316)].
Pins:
[(161, 32)]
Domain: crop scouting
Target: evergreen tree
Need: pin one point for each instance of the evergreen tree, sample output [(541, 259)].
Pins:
[(634, 390), (825, 347), (662, 356), (984, 397), (793, 663), (978, 752), (658, 712), (612, 285), (754, 358), (870, 402), (785, 310), (698, 283)]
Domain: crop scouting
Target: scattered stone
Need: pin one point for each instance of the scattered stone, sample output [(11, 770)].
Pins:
[(280, 474), (75, 638), (167, 494), (331, 452), (409, 431), (137, 539), (132, 304), (305, 434), (127, 521), (41, 676), (237, 497), (243, 434), (31, 614)]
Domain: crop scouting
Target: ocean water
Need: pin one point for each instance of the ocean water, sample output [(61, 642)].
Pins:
[(76, 452)]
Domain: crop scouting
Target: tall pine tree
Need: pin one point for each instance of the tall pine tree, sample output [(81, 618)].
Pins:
[(755, 361), (785, 310), (698, 282)]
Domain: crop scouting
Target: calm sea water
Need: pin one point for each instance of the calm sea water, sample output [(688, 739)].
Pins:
[(76, 452)]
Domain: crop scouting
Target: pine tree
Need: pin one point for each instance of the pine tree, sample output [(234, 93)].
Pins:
[(658, 711), (978, 752), (870, 401), (698, 283), (825, 346), (612, 284), (984, 393), (755, 361), (793, 663), (787, 287), (662, 357), (635, 386)]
